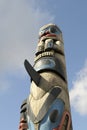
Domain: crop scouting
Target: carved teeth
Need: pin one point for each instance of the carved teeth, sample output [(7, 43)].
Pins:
[(43, 55)]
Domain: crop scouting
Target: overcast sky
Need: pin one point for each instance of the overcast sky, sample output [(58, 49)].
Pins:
[(20, 21)]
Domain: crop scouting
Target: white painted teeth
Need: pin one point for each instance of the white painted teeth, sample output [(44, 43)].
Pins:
[(43, 55)]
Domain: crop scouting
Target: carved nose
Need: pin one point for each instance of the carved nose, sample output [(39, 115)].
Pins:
[(48, 44)]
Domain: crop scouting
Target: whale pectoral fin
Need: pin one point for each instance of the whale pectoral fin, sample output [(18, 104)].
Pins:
[(35, 76)]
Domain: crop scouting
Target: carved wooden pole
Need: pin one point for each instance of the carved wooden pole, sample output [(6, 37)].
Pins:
[(48, 106)]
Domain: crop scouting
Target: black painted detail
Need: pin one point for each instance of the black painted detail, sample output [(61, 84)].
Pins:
[(35, 76), (66, 121), (54, 116), (23, 111), (24, 106)]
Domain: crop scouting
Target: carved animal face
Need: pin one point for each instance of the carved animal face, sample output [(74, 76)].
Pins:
[(50, 40), (48, 30)]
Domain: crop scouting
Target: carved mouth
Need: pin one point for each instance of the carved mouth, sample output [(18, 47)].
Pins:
[(44, 54), (47, 34), (51, 35)]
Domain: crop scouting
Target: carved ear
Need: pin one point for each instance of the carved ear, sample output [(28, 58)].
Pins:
[(35, 76)]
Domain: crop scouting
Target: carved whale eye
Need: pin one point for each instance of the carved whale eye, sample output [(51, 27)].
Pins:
[(54, 116)]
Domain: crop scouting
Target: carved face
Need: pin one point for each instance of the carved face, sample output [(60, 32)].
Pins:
[(50, 50), (50, 29), (50, 39)]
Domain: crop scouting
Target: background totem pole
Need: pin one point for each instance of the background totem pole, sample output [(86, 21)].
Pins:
[(47, 107)]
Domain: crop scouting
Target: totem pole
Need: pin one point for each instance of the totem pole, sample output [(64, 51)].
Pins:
[(47, 107)]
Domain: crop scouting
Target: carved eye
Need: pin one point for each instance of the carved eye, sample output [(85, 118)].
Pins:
[(42, 32), (54, 30), (54, 116)]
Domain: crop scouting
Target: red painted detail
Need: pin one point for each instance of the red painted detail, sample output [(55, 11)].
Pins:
[(51, 35), (62, 121), (47, 34), (56, 128), (22, 123)]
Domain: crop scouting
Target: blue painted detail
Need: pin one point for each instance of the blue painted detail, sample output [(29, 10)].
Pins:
[(44, 64), (31, 125), (51, 64), (46, 123), (51, 30)]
